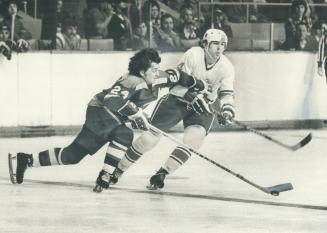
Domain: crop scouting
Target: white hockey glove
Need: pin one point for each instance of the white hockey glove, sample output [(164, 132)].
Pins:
[(227, 114), (22, 45), (139, 120), (199, 103)]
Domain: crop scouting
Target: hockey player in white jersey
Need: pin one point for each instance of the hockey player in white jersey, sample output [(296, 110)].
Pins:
[(194, 108)]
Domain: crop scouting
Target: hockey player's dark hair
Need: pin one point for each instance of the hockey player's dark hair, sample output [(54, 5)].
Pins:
[(142, 60)]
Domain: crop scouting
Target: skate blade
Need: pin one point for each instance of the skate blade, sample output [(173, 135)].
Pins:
[(97, 189), (12, 175)]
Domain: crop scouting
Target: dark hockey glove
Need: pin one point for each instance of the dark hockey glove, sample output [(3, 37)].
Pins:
[(199, 103), (139, 120), (227, 115), (12, 45), (5, 50), (200, 86)]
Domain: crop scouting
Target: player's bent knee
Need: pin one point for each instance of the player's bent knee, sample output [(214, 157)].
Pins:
[(194, 135), (73, 154), (123, 136), (146, 141)]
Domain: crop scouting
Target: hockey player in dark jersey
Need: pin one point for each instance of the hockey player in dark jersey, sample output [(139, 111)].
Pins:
[(195, 108), (107, 114)]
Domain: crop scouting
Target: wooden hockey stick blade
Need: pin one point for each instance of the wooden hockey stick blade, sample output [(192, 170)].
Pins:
[(275, 190), (295, 147), (302, 143), (11, 171)]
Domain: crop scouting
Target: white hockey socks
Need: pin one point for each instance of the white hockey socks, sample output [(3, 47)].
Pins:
[(130, 157), (177, 158)]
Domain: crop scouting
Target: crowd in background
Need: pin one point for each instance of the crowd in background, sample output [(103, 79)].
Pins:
[(137, 24)]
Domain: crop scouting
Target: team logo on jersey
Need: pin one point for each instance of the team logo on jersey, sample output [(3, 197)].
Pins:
[(173, 75)]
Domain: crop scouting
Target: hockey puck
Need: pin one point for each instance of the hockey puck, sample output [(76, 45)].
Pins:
[(274, 193)]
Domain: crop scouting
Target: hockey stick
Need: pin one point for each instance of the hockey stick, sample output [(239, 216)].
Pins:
[(273, 190), (295, 147)]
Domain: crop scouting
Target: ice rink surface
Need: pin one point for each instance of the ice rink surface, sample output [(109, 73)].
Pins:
[(199, 197)]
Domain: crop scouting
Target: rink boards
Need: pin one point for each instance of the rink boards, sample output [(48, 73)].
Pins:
[(53, 88)]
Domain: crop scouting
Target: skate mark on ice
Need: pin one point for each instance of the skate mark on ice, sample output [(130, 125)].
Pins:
[(171, 194), (168, 177)]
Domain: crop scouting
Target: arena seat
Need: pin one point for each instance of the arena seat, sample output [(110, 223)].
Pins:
[(44, 44), (101, 44), (240, 44), (279, 32), (258, 33), (260, 44), (84, 45), (33, 44), (32, 25)]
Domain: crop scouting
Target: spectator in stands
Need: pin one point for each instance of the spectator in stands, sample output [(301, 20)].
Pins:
[(97, 17), (220, 21), (151, 14), (316, 34), (174, 4), (299, 14), (304, 41), (257, 13), (235, 13), (119, 28), (4, 32), (18, 33), (178, 4), (15, 23), (165, 37), (5, 50), (53, 15), (60, 12), (135, 8), (188, 29), (140, 39), (68, 39)]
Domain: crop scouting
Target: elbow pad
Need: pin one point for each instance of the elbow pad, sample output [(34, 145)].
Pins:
[(128, 109)]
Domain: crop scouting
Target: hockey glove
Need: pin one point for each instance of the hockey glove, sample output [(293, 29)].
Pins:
[(227, 114), (199, 103), (22, 45), (5, 50), (139, 120), (200, 86)]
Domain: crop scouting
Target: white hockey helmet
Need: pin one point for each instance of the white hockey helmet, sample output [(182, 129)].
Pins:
[(213, 34)]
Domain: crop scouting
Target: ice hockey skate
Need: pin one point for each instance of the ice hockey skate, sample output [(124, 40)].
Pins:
[(105, 179), (23, 161), (157, 180)]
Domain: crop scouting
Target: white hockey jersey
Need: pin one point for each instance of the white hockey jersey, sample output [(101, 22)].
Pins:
[(220, 75)]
